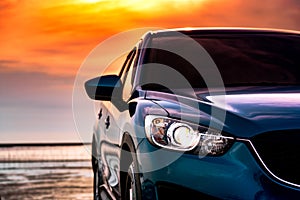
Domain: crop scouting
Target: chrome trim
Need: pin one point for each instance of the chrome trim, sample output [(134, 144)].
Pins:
[(265, 166), (106, 190)]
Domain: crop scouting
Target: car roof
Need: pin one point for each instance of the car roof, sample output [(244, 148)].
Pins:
[(223, 30)]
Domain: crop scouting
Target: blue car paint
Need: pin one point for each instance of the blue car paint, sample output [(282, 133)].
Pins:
[(238, 174), (235, 175)]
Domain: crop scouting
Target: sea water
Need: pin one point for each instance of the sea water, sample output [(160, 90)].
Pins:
[(45, 172)]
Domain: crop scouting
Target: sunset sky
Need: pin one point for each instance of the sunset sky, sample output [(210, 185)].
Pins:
[(44, 43)]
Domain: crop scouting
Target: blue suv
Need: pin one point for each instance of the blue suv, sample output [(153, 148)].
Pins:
[(200, 114)]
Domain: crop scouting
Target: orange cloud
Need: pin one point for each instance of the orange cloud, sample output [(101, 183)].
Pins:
[(43, 44), (54, 36)]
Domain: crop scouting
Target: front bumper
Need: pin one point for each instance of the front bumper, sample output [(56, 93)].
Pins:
[(235, 175)]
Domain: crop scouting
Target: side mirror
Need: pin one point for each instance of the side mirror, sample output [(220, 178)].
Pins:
[(101, 88)]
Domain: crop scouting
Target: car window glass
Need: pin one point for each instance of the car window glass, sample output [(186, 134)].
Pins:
[(242, 60), (128, 77), (126, 64)]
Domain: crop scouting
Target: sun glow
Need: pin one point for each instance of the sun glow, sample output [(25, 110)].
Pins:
[(140, 5), (158, 4), (88, 1)]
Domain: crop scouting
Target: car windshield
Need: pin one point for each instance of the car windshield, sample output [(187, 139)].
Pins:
[(241, 59)]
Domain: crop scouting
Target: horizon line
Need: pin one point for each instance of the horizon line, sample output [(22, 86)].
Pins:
[(45, 144)]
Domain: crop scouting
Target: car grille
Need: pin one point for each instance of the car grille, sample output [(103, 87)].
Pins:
[(280, 153)]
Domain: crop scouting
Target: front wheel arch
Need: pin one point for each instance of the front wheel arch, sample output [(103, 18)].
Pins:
[(129, 158)]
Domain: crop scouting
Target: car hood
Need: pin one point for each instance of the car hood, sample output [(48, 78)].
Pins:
[(243, 112)]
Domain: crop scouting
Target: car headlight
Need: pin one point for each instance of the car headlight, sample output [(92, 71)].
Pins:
[(183, 136)]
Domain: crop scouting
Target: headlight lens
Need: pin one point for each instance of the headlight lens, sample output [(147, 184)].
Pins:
[(183, 136)]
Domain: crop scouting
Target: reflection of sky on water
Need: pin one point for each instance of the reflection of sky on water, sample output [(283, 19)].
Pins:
[(45, 175), (21, 175), (44, 165), (45, 153)]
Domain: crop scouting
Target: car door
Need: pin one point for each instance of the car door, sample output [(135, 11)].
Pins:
[(114, 121)]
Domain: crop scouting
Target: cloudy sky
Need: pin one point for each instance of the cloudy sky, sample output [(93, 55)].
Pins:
[(43, 44)]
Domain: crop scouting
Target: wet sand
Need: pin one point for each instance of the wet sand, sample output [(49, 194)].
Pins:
[(52, 185), (58, 179)]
